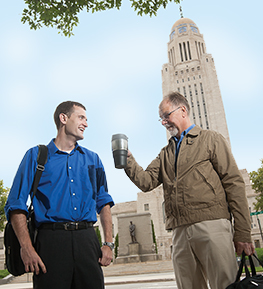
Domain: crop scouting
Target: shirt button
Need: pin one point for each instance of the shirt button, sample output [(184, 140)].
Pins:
[(75, 209), (74, 194), (71, 181), (70, 168)]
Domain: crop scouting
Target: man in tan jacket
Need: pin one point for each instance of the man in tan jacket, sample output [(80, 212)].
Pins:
[(203, 189)]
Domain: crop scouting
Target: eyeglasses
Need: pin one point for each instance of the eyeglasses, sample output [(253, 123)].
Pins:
[(166, 115)]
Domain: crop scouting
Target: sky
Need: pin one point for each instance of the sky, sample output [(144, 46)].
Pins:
[(113, 66)]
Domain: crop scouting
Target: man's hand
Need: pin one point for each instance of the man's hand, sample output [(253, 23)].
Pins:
[(248, 248), (31, 260), (106, 258), (29, 256)]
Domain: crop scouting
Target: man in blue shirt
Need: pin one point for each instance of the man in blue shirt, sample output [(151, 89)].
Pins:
[(72, 189)]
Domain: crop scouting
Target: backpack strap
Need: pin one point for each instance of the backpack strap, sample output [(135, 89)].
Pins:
[(41, 161)]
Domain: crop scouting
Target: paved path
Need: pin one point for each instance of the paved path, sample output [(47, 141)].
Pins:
[(114, 274), (18, 283)]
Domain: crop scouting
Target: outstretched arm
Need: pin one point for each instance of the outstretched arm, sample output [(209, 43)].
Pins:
[(29, 256), (145, 180)]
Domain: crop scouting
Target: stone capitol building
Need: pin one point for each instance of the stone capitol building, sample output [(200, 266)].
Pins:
[(191, 71)]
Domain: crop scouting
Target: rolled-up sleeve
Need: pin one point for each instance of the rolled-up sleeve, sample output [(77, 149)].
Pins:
[(103, 197), (22, 184)]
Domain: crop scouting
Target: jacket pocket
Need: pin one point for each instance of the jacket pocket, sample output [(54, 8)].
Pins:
[(201, 186)]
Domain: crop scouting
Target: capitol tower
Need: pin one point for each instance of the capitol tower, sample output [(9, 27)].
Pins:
[(191, 71)]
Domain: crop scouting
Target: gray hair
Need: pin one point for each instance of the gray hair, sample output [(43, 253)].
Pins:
[(176, 99)]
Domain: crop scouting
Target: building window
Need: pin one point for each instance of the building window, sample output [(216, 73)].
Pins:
[(199, 112), (189, 51), (184, 91), (251, 219), (198, 67), (194, 29), (165, 69), (257, 243), (163, 207), (182, 72), (146, 207), (204, 105), (181, 53), (176, 72), (182, 29), (197, 49), (172, 35)]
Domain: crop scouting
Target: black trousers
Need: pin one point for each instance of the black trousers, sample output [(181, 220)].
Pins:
[(71, 259)]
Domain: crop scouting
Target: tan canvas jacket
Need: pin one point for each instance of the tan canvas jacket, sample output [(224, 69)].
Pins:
[(206, 186)]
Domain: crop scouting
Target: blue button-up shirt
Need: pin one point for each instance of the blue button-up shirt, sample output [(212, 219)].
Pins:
[(73, 186), (178, 142)]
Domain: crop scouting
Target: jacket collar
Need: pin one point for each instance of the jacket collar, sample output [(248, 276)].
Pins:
[(195, 131), (190, 136)]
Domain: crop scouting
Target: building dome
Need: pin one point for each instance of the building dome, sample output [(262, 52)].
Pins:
[(182, 21)]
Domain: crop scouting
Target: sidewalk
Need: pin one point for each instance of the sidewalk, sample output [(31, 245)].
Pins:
[(114, 280), (114, 274)]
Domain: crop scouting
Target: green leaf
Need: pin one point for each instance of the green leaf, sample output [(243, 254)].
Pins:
[(63, 14)]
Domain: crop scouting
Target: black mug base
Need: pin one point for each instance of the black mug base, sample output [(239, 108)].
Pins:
[(120, 159)]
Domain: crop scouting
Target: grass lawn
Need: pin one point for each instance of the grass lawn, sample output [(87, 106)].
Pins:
[(258, 269), (3, 273)]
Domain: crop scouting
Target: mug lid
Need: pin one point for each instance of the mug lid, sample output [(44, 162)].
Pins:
[(119, 136)]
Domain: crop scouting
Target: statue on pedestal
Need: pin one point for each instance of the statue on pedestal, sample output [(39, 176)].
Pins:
[(132, 232)]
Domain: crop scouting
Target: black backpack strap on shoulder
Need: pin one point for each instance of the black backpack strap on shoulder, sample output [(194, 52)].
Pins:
[(41, 161)]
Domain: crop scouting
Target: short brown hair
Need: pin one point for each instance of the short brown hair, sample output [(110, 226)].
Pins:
[(65, 107), (177, 99)]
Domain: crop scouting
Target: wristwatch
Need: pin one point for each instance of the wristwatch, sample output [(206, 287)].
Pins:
[(109, 244)]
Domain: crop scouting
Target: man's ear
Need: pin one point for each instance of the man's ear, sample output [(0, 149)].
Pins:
[(63, 118), (184, 109)]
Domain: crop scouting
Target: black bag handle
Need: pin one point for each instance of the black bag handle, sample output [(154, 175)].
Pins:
[(243, 264), (41, 161)]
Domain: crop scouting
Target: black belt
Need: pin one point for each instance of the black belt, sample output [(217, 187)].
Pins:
[(68, 226)]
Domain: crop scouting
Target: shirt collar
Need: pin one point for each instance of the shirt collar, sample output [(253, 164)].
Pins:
[(184, 133), (52, 148)]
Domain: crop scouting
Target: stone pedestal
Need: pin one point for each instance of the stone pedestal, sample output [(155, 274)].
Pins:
[(141, 251), (134, 248)]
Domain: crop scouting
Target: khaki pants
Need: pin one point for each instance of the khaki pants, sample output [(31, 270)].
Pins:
[(204, 252)]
